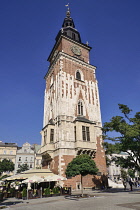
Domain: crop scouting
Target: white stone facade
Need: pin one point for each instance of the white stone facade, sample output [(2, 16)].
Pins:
[(72, 117), (114, 171), (62, 94), (25, 155)]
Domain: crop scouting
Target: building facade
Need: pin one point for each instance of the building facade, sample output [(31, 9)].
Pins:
[(114, 170), (38, 156), (72, 118), (8, 151), (25, 155)]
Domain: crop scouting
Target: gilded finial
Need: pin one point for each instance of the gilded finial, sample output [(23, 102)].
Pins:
[(68, 10)]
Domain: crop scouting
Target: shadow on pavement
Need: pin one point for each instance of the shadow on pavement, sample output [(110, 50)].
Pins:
[(118, 190), (9, 203)]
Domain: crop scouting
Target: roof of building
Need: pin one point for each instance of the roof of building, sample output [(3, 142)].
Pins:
[(36, 147), (83, 119), (5, 144), (123, 153)]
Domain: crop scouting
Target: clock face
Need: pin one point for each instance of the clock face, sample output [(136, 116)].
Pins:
[(76, 50)]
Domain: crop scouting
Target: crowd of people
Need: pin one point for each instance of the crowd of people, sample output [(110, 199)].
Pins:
[(131, 182)]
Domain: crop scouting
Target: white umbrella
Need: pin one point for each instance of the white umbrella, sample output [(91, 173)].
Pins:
[(17, 176), (33, 179), (54, 178)]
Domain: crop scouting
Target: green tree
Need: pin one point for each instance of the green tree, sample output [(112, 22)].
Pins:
[(131, 173), (109, 149), (124, 174), (46, 158), (6, 165), (127, 137), (23, 167), (81, 165)]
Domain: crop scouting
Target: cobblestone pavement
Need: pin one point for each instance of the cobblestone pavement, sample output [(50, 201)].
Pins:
[(98, 200)]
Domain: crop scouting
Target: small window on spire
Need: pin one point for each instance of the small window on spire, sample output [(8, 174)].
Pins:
[(73, 36)]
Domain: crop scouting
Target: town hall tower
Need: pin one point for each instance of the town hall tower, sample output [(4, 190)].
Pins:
[(72, 118)]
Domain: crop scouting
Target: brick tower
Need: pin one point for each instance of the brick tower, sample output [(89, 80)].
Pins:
[(72, 118)]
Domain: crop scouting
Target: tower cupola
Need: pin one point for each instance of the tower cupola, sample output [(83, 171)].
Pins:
[(68, 28)]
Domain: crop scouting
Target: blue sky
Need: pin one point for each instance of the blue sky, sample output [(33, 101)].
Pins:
[(27, 34)]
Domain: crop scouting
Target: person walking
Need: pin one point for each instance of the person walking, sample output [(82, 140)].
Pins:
[(124, 184), (131, 184)]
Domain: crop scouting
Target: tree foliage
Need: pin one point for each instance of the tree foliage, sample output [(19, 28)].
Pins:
[(23, 167), (81, 165), (46, 158), (124, 174), (131, 173), (127, 139), (6, 166)]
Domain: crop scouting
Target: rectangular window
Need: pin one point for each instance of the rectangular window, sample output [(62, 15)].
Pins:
[(4, 152), (37, 162), (19, 159), (79, 108), (52, 135), (75, 132), (85, 133), (30, 165), (45, 137), (26, 159)]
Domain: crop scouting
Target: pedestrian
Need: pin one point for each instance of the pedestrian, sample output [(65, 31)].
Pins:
[(131, 184), (124, 184)]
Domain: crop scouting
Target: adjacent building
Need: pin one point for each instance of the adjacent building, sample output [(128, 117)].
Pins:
[(114, 170), (8, 151), (38, 156), (25, 155)]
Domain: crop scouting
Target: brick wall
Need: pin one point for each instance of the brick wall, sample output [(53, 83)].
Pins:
[(100, 157)]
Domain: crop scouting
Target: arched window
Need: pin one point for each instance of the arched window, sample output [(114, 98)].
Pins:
[(78, 75), (80, 108)]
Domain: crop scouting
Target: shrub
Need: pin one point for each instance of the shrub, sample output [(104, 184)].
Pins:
[(47, 191), (56, 190), (12, 190), (24, 192)]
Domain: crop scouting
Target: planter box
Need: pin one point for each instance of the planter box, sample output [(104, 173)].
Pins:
[(58, 194), (1, 196)]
